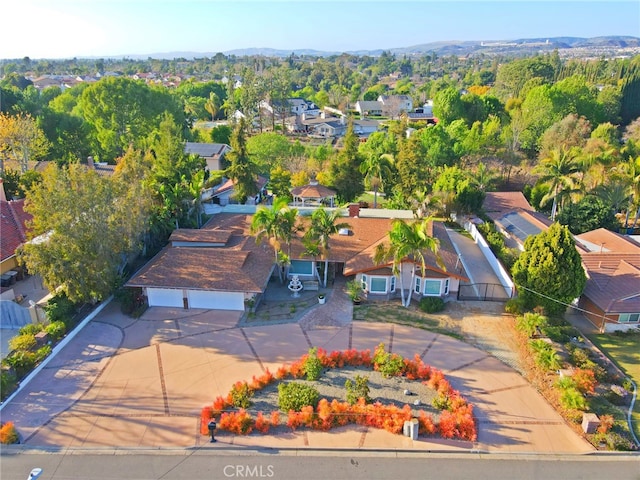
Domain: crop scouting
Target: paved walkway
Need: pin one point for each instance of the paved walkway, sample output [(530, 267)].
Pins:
[(141, 383), (476, 265)]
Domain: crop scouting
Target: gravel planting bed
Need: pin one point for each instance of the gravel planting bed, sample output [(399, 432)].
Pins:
[(331, 386)]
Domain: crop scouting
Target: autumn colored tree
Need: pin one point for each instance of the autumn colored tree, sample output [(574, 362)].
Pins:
[(83, 226), (21, 140)]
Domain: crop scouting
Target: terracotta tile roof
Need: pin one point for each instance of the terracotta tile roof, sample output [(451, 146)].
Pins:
[(613, 282), (13, 221), (603, 241)]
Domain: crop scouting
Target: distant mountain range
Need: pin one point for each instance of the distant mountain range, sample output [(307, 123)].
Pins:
[(525, 45)]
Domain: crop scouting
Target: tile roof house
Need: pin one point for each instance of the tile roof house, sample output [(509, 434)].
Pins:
[(611, 297), (221, 266), (213, 153), (13, 220)]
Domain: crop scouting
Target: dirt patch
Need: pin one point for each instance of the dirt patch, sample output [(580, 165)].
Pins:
[(482, 324)]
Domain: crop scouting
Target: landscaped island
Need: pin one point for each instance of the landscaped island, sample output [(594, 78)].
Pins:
[(300, 400)]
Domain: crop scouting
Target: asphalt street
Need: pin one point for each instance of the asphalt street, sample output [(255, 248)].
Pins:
[(277, 464)]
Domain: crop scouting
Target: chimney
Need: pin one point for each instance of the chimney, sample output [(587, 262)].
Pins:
[(3, 196), (354, 210)]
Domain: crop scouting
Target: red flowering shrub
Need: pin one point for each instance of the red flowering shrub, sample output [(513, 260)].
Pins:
[(456, 421)]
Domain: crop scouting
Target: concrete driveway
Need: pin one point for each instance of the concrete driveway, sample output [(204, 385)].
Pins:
[(142, 383)]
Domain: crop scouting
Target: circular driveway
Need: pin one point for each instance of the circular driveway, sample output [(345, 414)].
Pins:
[(141, 383)]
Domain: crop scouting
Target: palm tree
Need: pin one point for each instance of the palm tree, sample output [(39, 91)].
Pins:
[(408, 243), (212, 105), (424, 203), (376, 168), (323, 225), (560, 170), (629, 173), (276, 224)]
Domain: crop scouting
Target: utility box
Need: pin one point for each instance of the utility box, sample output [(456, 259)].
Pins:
[(590, 422)]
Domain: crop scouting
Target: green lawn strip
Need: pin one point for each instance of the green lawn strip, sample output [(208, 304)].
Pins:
[(624, 351), (400, 316)]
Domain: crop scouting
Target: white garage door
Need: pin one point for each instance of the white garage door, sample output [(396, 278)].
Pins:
[(216, 300), (165, 297)]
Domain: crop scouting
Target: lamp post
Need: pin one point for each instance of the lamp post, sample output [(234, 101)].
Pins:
[(212, 430)]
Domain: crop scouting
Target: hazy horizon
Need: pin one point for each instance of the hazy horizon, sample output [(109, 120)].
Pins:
[(55, 29)]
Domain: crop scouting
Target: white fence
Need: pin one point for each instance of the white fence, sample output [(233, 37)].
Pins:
[(496, 266)]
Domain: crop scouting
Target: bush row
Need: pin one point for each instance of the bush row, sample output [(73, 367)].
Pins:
[(303, 407)]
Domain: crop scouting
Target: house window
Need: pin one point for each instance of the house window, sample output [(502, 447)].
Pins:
[(364, 282), (392, 288), (432, 287), (446, 287), (629, 317), (418, 284), (378, 285), (300, 267)]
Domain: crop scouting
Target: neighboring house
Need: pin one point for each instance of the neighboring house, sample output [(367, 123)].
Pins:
[(213, 153), (101, 168), (13, 220), (300, 106), (395, 105), (364, 128), (221, 267), (514, 217), (368, 107), (611, 298), (331, 128), (223, 193), (313, 195)]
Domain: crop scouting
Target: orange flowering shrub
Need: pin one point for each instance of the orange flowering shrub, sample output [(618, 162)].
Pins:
[(456, 421), (8, 434), (606, 422), (239, 422), (262, 423), (426, 425), (585, 380)]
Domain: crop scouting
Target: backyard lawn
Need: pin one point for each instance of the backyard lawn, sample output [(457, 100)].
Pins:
[(624, 351)]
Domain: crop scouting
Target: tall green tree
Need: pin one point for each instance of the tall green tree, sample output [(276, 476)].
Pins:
[(344, 170), (549, 272), (241, 169), (323, 225), (123, 112), (408, 244), (85, 226), (589, 213)]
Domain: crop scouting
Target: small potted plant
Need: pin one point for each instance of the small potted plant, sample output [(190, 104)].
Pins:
[(321, 298), (354, 291)]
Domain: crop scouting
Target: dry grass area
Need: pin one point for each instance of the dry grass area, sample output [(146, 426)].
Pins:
[(482, 324)]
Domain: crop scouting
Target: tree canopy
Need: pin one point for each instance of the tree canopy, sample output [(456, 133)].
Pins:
[(549, 272)]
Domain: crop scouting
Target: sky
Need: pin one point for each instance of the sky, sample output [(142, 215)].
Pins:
[(102, 28)]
